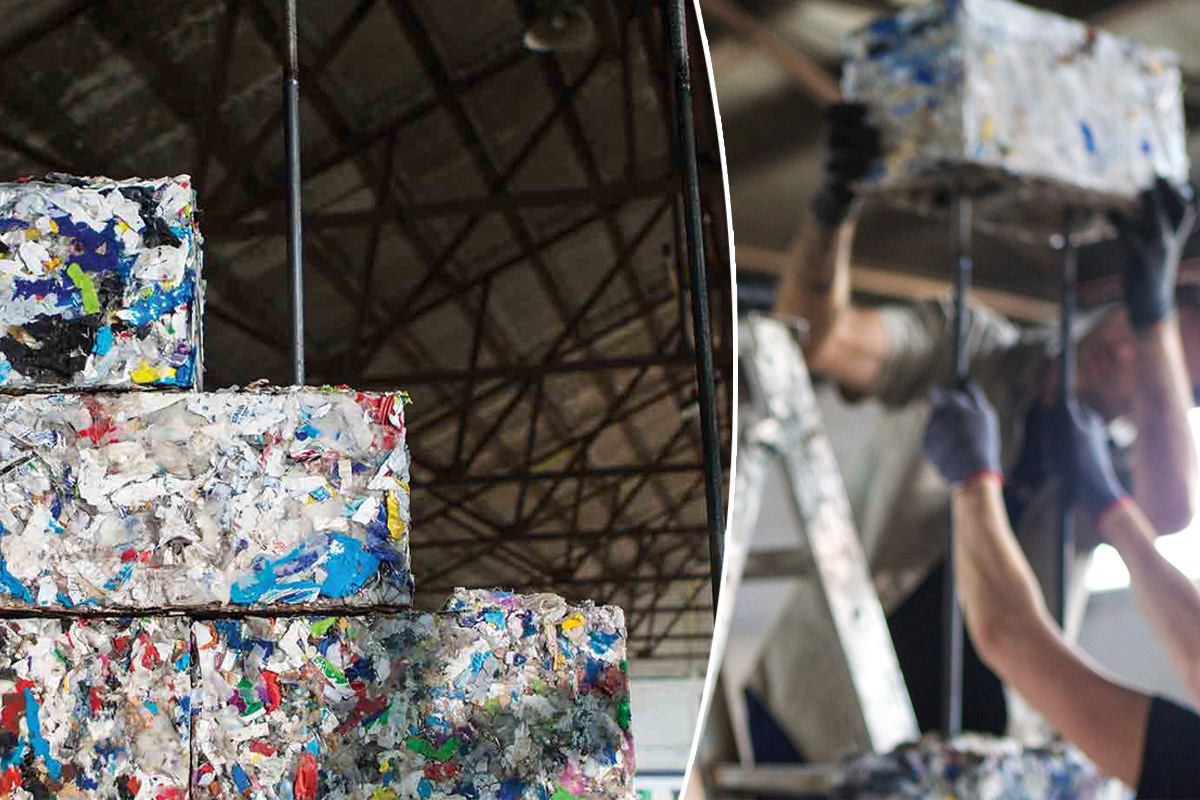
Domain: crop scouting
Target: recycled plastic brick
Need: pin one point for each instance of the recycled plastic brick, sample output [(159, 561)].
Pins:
[(100, 284), (498, 696), (977, 767), (95, 708), (1027, 109), (172, 500)]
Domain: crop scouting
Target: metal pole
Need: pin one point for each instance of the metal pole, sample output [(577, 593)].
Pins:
[(1066, 394), (952, 623), (685, 133), (295, 238)]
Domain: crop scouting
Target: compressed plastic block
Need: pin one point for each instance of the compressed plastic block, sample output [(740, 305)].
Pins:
[(498, 696), (976, 767), (1026, 110), (95, 708), (100, 284), (182, 500)]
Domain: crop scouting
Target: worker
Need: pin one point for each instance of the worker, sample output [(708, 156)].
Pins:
[(1133, 362), (1148, 742)]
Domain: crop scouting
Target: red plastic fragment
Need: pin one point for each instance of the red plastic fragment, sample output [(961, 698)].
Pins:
[(304, 787)]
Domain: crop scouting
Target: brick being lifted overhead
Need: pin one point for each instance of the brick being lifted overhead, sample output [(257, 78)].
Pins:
[(100, 284), (185, 501), (1026, 110)]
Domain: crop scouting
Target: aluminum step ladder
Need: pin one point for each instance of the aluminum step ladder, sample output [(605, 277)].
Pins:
[(780, 429)]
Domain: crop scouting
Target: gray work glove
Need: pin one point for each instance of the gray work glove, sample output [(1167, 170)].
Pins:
[(1090, 463), (962, 438), (850, 147), (1154, 238)]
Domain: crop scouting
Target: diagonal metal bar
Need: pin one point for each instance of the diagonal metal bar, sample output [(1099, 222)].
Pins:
[(472, 376), (218, 85), (32, 152), (572, 324), (370, 263), (611, 417)]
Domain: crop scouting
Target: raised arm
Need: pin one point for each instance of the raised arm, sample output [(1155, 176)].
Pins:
[(1167, 599), (1164, 460), (844, 342), (1006, 615)]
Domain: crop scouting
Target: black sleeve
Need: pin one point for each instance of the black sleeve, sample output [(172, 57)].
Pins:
[(1171, 754)]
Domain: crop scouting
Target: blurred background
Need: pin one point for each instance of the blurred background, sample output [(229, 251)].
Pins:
[(776, 64)]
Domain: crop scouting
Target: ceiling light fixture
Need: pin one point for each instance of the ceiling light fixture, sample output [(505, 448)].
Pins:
[(556, 26)]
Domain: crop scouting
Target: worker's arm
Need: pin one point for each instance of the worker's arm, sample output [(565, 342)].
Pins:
[(1006, 615), (1015, 635), (1167, 599), (844, 342), (1164, 459)]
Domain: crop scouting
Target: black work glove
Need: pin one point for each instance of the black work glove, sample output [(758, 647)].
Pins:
[(850, 147), (1089, 461), (962, 438), (1154, 238)]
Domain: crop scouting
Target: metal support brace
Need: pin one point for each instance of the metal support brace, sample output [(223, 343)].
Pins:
[(952, 623), (685, 132), (295, 239), (1066, 395)]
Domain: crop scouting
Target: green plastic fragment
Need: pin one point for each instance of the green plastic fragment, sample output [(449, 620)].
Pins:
[(333, 673), (562, 794), (443, 753), (623, 714), (91, 303), (320, 627), (252, 708)]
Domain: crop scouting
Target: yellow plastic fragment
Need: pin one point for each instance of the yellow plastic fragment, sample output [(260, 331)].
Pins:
[(573, 621), (384, 793), (396, 526), (145, 374)]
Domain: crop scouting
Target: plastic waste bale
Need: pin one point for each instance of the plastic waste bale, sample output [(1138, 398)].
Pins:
[(100, 284), (182, 500), (95, 708), (976, 767), (1026, 110), (498, 696)]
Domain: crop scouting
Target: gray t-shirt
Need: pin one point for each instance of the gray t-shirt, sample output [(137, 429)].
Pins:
[(899, 501)]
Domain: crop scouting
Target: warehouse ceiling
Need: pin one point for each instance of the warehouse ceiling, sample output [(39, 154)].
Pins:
[(776, 62), (495, 231)]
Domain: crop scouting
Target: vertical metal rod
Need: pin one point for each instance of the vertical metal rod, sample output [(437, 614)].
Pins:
[(295, 239), (1066, 395), (952, 623), (685, 134)]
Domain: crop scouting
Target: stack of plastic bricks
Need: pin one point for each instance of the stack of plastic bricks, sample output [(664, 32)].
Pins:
[(207, 594)]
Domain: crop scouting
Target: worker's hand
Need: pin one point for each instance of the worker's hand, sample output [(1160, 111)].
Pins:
[(963, 436), (1096, 484), (850, 146), (1154, 239)]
